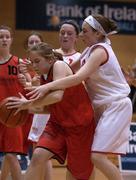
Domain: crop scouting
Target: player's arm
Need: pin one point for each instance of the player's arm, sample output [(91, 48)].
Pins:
[(98, 57), (41, 110), (75, 65), (59, 71), (23, 69), (23, 81)]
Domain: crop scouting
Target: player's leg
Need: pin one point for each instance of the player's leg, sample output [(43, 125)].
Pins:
[(48, 174), (37, 128), (5, 171), (36, 168), (11, 144), (48, 171), (92, 177), (106, 166), (14, 166)]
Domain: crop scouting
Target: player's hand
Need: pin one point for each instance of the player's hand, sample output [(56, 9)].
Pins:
[(24, 66), (22, 79), (36, 80), (18, 103), (38, 92)]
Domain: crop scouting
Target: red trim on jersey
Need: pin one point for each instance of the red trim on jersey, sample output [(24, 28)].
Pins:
[(101, 152), (105, 51), (70, 54)]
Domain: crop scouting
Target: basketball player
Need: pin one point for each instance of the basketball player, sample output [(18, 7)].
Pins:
[(71, 124), (39, 120), (107, 88), (68, 36), (11, 142)]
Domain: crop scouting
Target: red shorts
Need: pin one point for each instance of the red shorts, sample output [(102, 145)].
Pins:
[(11, 139), (73, 143)]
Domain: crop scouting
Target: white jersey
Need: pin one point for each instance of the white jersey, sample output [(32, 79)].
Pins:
[(38, 124), (108, 91), (108, 82), (71, 58)]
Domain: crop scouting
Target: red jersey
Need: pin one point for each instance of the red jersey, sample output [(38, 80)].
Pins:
[(75, 109), (9, 84)]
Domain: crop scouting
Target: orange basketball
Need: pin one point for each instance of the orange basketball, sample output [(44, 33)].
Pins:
[(8, 118)]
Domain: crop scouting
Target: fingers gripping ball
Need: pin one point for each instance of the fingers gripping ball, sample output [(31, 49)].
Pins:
[(8, 118)]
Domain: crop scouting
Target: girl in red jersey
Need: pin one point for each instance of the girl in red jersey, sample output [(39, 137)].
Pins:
[(69, 131), (33, 133), (68, 35), (11, 142)]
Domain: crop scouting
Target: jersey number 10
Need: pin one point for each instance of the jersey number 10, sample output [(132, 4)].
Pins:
[(12, 70)]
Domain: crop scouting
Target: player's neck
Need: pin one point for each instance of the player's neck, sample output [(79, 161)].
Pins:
[(68, 51), (4, 57)]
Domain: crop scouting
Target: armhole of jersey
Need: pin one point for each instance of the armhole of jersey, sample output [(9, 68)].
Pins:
[(105, 51)]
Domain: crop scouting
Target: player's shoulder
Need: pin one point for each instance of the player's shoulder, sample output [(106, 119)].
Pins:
[(59, 51), (60, 65), (14, 59)]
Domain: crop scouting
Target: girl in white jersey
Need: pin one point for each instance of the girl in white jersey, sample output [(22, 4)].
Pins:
[(107, 89), (68, 35)]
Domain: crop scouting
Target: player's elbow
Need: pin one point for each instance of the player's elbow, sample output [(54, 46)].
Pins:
[(78, 79), (58, 96)]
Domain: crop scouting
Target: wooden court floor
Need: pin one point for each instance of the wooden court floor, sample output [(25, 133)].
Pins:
[(59, 173)]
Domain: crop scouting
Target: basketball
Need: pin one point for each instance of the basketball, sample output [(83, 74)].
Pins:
[(8, 118)]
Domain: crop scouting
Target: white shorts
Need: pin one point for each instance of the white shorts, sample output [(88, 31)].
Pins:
[(112, 131), (38, 126)]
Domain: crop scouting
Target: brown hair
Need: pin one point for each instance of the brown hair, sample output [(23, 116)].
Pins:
[(5, 27), (36, 33), (107, 24), (46, 50), (73, 23)]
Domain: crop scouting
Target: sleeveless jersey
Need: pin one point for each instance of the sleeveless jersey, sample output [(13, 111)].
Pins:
[(9, 84), (108, 82), (71, 58), (74, 109)]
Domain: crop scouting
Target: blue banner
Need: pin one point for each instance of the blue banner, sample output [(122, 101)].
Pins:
[(128, 162), (47, 14)]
